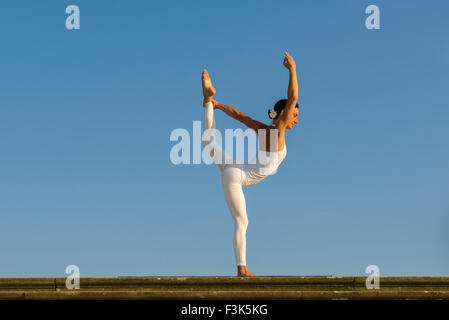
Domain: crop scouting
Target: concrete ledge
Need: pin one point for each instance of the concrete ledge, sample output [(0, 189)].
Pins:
[(226, 288)]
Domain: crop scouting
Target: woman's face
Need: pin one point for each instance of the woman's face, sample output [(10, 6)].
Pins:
[(293, 120)]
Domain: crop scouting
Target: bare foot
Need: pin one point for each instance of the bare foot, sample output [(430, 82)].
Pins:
[(208, 89), (242, 271)]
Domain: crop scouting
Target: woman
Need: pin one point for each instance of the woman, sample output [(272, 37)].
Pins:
[(235, 176)]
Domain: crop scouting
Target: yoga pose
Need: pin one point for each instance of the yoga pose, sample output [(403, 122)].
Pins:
[(235, 176)]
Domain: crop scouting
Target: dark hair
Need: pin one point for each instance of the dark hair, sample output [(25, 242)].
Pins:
[(279, 106)]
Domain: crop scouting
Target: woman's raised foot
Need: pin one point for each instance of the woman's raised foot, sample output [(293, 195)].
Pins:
[(208, 89)]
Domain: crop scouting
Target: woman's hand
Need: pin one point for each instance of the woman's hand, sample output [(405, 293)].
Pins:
[(215, 103), (289, 63)]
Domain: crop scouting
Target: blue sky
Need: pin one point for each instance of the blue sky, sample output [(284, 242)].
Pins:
[(86, 116)]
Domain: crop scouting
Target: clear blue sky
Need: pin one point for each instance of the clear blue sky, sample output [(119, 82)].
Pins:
[(86, 115)]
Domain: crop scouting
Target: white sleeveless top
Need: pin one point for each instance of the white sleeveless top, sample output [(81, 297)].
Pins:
[(262, 165)]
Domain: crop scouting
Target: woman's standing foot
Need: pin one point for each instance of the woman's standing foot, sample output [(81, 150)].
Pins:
[(242, 271)]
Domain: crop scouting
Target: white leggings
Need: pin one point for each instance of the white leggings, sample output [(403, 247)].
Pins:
[(231, 180)]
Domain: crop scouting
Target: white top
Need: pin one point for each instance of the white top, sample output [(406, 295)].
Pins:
[(262, 165)]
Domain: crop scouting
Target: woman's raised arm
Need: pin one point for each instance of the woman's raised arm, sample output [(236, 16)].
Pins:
[(292, 92)]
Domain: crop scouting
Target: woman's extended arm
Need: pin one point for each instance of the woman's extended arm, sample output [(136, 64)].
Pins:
[(292, 92), (239, 116)]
